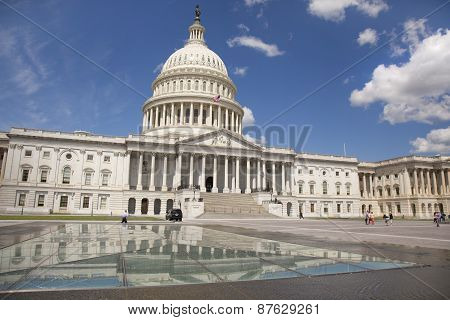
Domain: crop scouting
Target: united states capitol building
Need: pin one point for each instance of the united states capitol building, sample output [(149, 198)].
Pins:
[(191, 153)]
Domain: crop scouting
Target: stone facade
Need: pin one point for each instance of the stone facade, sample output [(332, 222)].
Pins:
[(192, 136)]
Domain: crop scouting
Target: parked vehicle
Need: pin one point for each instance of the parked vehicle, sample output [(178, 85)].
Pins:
[(174, 215)]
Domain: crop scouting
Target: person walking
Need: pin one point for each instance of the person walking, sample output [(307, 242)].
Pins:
[(391, 218), (386, 219), (437, 218), (125, 217), (367, 217)]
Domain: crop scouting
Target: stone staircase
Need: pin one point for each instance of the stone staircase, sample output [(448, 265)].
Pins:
[(232, 203)]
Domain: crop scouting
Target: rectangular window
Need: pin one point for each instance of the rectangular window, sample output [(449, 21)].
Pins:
[(63, 202), (86, 202), (44, 174), (22, 198), (311, 171), (38, 250), (346, 174), (107, 159), (338, 190), (300, 188), (312, 207), (102, 203), (348, 190), (87, 180), (105, 179), (311, 189), (90, 157), (399, 209), (28, 153), (349, 207), (299, 171), (25, 174), (46, 154), (337, 173), (338, 208), (41, 200)]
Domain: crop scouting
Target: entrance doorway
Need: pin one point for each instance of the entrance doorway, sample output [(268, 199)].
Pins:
[(157, 206), (289, 208), (144, 206), (209, 184), (131, 205)]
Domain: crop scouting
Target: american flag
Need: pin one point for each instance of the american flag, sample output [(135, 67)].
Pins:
[(216, 98)]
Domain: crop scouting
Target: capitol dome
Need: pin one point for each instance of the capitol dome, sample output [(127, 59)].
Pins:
[(193, 94)]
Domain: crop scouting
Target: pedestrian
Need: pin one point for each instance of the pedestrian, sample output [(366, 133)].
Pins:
[(386, 219), (367, 217), (125, 217), (437, 218), (391, 218), (371, 218), (301, 215)]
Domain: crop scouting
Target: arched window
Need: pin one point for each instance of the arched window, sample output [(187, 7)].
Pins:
[(211, 87), (181, 85), (174, 86), (131, 205), (196, 85), (189, 85), (325, 187), (67, 172), (204, 86)]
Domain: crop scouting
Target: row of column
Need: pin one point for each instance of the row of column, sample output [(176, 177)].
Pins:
[(208, 114), (3, 167), (231, 165), (418, 181)]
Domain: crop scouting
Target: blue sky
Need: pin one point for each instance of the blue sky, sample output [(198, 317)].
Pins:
[(276, 52)]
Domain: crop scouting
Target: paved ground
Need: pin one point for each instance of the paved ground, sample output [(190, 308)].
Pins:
[(415, 241)]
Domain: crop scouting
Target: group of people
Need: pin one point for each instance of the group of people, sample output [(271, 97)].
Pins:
[(370, 218)]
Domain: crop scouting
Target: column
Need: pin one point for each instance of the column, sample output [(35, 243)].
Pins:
[(139, 183), (151, 118), (263, 175), (191, 114), (448, 181), (172, 114), (164, 182), (422, 182), (416, 187), (210, 120), (240, 125), (258, 172), (226, 119), (364, 185), (428, 182), (434, 183), (293, 179), (181, 114), (126, 170), (2, 173), (238, 186), (144, 121), (200, 116), (191, 170), (375, 184), (225, 185), (248, 189), (219, 117), (202, 181), (233, 127), (442, 183), (152, 173), (407, 182), (157, 117), (214, 188), (283, 178), (371, 186), (274, 179)]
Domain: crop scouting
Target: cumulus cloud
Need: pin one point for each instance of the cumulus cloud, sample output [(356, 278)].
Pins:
[(251, 3), (418, 90), (240, 71), (248, 119), (368, 36), (437, 140), (334, 10), (270, 50), (414, 31), (243, 27)]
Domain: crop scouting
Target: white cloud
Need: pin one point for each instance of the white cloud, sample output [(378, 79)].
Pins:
[(243, 27), (415, 31), (418, 90), (251, 3), (158, 68), (368, 36), (270, 50), (334, 10), (240, 71), (437, 140), (248, 119)]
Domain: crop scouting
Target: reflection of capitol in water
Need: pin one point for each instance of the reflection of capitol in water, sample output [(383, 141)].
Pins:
[(101, 255)]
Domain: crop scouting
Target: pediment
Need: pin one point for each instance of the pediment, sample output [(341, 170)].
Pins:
[(221, 139)]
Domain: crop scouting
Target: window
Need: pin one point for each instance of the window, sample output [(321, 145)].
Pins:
[(22, 198), (63, 201), (347, 174), (311, 189), (211, 86), (395, 176), (311, 171), (105, 179), (324, 172), (399, 208), (38, 250), (28, 153), (107, 159), (299, 171), (189, 85), (181, 85), (337, 173), (338, 208), (397, 191), (300, 188), (387, 176), (46, 154), (338, 190), (388, 191), (44, 175), (324, 187), (196, 85), (349, 207), (41, 200), (380, 192), (102, 203), (25, 175), (90, 157), (67, 172), (88, 178), (69, 156), (312, 207), (204, 86), (86, 201), (348, 189)]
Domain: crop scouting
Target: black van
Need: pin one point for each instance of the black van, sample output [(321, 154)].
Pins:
[(174, 215)]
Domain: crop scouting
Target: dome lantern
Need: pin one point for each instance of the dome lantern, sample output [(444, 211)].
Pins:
[(196, 30)]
